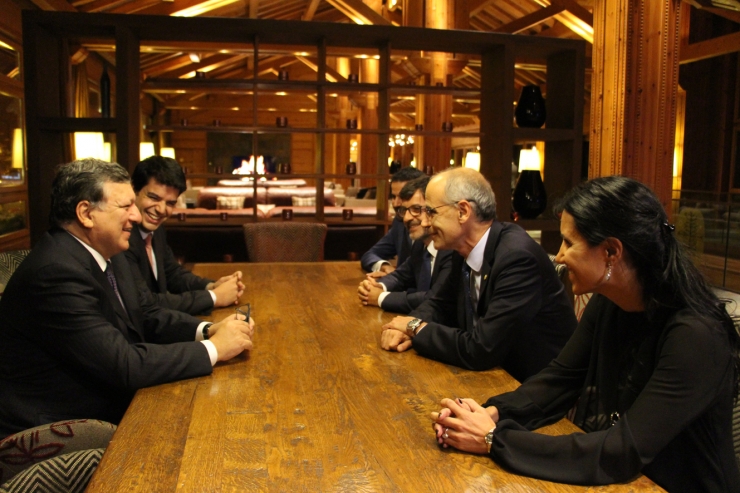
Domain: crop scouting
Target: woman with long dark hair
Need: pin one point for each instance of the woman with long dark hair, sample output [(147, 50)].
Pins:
[(652, 368)]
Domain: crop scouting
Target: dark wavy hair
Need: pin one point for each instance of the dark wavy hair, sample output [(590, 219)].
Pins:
[(623, 208), (165, 170)]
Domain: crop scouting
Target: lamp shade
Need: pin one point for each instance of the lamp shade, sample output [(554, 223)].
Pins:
[(89, 145), (472, 160), (167, 152), (146, 149), (529, 159), (17, 148)]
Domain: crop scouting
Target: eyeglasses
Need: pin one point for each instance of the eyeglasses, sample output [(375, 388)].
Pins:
[(245, 310), (414, 210), (432, 211)]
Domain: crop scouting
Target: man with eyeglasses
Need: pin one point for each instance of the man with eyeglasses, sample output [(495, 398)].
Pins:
[(502, 304), (396, 242), (409, 285), (157, 182)]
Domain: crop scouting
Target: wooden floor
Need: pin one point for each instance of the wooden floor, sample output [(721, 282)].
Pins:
[(316, 407)]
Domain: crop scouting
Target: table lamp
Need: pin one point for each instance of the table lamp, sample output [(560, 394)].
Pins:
[(529, 198)]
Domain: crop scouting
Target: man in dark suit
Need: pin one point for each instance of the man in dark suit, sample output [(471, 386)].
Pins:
[(410, 284), (396, 242), (157, 182), (78, 338), (502, 305)]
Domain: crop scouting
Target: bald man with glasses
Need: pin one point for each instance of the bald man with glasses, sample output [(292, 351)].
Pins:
[(502, 303), (410, 284)]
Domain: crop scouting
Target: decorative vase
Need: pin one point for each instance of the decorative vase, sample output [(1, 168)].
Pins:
[(530, 111), (105, 94), (529, 199)]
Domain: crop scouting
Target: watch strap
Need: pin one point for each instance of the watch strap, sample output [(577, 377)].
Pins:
[(206, 331)]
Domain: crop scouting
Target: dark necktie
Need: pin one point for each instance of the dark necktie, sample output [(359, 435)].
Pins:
[(469, 308), (425, 277), (150, 253), (112, 280)]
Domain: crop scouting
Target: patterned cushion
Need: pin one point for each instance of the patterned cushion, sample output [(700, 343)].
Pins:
[(229, 202), (26, 448), (579, 303), (285, 241), (9, 261), (736, 429), (299, 201), (68, 473)]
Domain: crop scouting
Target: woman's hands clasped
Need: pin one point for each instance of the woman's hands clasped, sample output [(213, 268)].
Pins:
[(463, 424)]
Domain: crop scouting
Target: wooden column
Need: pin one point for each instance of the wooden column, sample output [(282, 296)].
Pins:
[(633, 103)]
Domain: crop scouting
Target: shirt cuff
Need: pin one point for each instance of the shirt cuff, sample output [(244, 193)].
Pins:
[(199, 331), (212, 351), (381, 297), (213, 296), (377, 265)]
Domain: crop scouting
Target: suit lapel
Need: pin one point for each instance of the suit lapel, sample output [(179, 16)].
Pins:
[(159, 244), (129, 294), (488, 258)]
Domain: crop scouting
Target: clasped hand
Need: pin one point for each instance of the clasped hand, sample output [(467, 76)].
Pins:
[(228, 289), (394, 336), (369, 291), (231, 336), (463, 424)]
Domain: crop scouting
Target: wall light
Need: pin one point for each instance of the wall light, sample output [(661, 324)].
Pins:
[(89, 145), (17, 148), (472, 160), (167, 152), (146, 149)]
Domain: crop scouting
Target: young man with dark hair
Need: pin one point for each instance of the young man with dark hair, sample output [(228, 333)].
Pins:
[(396, 242), (157, 182), (410, 284)]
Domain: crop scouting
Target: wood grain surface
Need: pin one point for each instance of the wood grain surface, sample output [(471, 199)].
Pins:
[(317, 406)]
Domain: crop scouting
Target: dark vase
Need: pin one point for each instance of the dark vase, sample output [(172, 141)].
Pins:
[(105, 94), (529, 198), (530, 111)]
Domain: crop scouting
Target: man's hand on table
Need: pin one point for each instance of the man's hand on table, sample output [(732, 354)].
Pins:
[(463, 424), (376, 275), (394, 336), (369, 291), (231, 336), (386, 269), (228, 289)]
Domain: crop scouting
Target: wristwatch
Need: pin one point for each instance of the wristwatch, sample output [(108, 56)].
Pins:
[(206, 332), (489, 438), (413, 327)]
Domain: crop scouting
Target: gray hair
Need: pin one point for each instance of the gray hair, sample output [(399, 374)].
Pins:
[(468, 184), (81, 180)]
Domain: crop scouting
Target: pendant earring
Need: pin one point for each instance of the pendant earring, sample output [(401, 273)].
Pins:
[(608, 272)]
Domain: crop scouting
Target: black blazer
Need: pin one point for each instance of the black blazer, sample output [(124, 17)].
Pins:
[(403, 281), (175, 287), (69, 348), (525, 315), (396, 242)]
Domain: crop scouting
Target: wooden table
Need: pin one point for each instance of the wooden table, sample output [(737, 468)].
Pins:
[(316, 406)]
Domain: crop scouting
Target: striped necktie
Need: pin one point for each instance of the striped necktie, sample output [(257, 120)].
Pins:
[(112, 280)]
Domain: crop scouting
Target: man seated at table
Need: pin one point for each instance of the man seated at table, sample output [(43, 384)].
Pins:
[(409, 285), (502, 305), (157, 182), (396, 242), (78, 337)]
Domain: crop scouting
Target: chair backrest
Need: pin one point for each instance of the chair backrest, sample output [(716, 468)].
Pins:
[(9, 261), (285, 241)]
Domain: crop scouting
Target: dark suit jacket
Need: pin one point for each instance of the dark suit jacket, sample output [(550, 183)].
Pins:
[(395, 242), (175, 287), (525, 315), (403, 281), (70, 350)]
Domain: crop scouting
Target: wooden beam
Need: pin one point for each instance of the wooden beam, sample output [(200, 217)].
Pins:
[(722, 45), (310, 10), (55, 5), (530, 20), (732, 15), (476, 6), (254, 6), (359, 13)]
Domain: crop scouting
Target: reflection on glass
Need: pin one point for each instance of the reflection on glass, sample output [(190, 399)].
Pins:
[(11, 142), (12, 217), (9, 61)]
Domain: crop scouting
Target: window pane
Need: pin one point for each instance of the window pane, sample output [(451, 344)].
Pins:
[(12, 216), (9, 61), (12, 157)]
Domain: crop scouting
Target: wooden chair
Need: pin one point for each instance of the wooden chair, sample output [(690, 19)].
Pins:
[(55, 458), (9, 261), (285, 241)]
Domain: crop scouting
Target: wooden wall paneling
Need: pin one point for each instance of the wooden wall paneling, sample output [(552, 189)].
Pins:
[(320, 141), (635, 75), (496, 120), (383, 112)]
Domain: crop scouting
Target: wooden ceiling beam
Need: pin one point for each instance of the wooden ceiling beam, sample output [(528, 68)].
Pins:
[(530, 20), (721, 45), (135, 7), (54, 5), (101, 6), (310, 10), (476, 6), (359, 13)]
